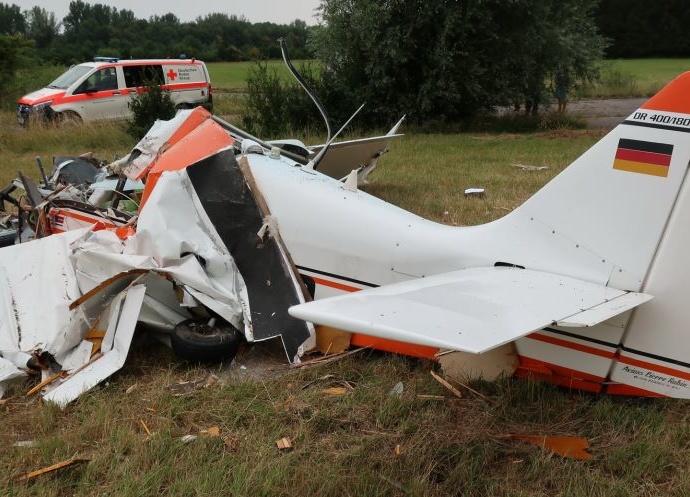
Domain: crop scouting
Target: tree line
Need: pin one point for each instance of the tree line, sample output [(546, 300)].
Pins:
[(96, 29), (640, 28), (631, 28)]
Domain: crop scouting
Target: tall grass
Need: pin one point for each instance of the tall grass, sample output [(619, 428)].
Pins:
[(19, 146)]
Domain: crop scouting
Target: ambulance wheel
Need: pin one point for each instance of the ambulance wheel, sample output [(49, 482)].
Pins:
[(69, 118), (194, 340)]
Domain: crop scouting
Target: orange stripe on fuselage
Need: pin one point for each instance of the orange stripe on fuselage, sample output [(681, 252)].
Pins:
[(334, 284), (528, 368), (630, 391), (360, 340), (654, 367), (558, 375), (607, 354)]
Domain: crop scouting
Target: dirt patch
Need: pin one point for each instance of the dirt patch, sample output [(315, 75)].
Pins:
[(604, 113)]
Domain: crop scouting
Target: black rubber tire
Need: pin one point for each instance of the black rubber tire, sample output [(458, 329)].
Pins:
[(195, 341)]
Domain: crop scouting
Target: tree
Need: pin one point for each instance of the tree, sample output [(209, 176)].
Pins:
[(449, 59), (78, 10), (15, 53), (99, 29), (43, 27), (151, 104), (11, 19), (639, 28)]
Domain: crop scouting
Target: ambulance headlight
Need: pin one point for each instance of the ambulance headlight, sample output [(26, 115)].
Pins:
[(42, 106)]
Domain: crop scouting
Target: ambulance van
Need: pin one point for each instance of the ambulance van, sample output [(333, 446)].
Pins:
[(101, 90)]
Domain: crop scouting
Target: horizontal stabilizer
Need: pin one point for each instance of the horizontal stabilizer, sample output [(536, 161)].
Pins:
[(472, 310)]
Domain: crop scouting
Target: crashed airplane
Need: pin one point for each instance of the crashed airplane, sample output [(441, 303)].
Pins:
[(235, 236), (181, 266)]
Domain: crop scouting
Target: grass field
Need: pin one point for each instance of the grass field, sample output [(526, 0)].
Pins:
[(365, 442), (231, 76), (633, 77)]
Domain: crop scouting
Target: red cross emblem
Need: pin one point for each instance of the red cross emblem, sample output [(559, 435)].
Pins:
[(171, 75)]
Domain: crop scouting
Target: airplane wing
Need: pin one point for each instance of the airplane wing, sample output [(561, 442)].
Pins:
[(472, 310)]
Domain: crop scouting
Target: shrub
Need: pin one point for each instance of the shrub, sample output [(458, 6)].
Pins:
[(147, 106), (276, 106)]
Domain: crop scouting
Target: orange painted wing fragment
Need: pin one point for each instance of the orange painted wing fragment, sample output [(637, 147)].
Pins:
[(572, 447)]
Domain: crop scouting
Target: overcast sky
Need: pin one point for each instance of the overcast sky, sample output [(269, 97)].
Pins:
[(277, 11)]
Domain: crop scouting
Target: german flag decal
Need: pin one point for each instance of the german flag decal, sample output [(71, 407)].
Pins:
[(644, 157)]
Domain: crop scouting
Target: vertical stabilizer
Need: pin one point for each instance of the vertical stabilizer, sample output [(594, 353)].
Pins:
[(615, 200)]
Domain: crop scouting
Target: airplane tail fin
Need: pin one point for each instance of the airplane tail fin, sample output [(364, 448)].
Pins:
[(604, 216)]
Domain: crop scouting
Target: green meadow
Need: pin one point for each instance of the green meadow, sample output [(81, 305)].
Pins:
[(620, 78)]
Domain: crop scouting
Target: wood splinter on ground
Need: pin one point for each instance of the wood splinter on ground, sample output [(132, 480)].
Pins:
[(146, 428), (422, 396), (450, 387), (284, 444), (54, 467), (213, 431)]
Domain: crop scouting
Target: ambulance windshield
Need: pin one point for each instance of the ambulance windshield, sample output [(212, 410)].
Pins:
[(66, 79)]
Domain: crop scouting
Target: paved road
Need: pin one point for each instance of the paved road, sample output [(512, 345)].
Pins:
[(605, 113)]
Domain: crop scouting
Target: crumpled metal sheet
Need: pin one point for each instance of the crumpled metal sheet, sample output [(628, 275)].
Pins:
[(41, 280)]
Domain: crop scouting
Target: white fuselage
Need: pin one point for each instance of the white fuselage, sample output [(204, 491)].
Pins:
[(349, 240)]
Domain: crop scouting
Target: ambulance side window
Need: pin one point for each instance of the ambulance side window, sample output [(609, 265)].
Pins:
[(101, 80), (142, 75)]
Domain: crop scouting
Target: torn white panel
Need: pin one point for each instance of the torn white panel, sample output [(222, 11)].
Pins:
[(37, 284), (361, 154), (188, 300), (158, 315), (174, 237), (98, 255), (86, 311), (121, 319), (17, 358), (148, 147), (76, 357), (174, 223), (161, 309), (472, 310), (227, 312), (8, 372)]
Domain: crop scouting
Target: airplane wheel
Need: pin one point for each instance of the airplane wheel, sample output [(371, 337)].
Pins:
[(197, 341)]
